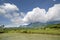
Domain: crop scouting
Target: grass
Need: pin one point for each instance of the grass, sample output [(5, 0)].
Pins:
[(41, 31), (34, 31), (24, 36), (47, 31)]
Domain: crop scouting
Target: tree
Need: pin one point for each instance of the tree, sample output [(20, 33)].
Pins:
[(2, 29)]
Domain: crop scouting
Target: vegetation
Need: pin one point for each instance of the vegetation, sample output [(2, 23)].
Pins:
[(2, 29), (23, 36), (48, 29)]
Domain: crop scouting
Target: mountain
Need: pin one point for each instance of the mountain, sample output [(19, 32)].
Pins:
[(53, 22), (35, 25), (39, 24)]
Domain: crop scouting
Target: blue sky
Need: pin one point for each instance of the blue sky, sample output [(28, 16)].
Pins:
[(25, 6)]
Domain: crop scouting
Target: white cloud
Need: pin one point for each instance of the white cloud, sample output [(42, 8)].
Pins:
[(40, 15), (17, 20), (36, 15), (12, 25), (9, 7), (8, 15), (53, 13), (11, 12), (22, 14), (2, 11), (16, 14), (54, 0)]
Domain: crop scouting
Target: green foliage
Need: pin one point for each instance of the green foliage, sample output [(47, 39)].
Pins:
[(2, 29), (54, 26), (49, 29)]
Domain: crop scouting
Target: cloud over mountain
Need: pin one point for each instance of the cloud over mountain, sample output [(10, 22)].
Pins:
[(11, 12), (36, 15)]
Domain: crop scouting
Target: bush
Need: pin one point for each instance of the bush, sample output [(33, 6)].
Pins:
[(24, 31)]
